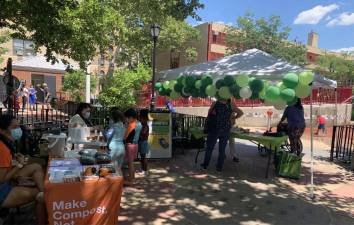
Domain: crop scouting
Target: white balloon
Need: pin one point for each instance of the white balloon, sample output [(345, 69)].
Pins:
[(245, 93)]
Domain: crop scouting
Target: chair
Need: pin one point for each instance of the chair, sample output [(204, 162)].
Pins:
[(198, 140)]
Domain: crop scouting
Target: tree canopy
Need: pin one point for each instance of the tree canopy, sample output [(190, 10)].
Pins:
[(78, 29), (336, 67), (267, 35), (123, 87), (75, 83), (4, 36)]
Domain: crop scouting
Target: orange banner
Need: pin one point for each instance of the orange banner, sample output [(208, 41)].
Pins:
[(91, 202)]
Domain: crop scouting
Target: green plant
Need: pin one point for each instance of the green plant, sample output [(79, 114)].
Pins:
[(75, 81), (123, 87)]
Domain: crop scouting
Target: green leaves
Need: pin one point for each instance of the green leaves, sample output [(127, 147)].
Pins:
[(4, 36), (75, 83), (267, 35), (123, 87)]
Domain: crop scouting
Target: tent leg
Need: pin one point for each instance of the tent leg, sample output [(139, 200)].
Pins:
[(336, 106), (311, 133)]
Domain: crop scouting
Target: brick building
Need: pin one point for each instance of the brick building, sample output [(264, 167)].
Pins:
[(212, 45)]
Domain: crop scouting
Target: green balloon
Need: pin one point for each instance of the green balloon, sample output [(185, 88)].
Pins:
[(254, 96), (292, 102), (302, 91), (242, 80), (220, 83), (224, 93), (166, 84), (281, 85), (235, 91), (158, 85), (210, 90), (207, 80), (287, 94), (190, 81), (198, 84), (256, 85), (290, 80), (195, 93), (272, 94), (279, 105), (178, 87), (172, 84), (262, 93), (306, 77), (180, 79), (202, 93), (174, 95), (186, 92), (229, 80)]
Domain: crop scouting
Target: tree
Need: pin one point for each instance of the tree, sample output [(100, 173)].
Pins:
[(122, 88), (3, 39), (266, 35), (75, 83), (336, 67), (78, 29)]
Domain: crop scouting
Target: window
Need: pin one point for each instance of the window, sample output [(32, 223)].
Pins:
[(215, 36), (23, 47), (174, 59)]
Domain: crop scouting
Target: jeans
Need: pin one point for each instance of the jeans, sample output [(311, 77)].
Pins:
[(211, 141)]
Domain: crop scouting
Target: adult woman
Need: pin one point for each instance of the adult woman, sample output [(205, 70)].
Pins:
[(82, 116), (13, 176), (296, 125), (131, 139), (116, 145), (218, 127)]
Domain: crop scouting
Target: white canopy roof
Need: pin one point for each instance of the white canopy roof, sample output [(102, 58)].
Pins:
[(253, 62)]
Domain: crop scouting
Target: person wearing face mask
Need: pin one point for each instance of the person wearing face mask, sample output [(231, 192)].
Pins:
[(82, 116), (20, 183)]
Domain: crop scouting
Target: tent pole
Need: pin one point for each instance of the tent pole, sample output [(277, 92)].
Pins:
[(336, 106), (311, 133)]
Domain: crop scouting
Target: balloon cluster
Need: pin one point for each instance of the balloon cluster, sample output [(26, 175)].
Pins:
[(286, 92)]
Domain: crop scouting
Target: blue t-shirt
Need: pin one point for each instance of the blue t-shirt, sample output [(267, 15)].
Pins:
[(295, 117)]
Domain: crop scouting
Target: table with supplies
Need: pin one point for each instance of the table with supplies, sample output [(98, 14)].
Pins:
[(270, 143)]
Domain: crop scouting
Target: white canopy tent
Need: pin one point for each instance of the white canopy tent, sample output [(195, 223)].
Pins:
[(254, 63)]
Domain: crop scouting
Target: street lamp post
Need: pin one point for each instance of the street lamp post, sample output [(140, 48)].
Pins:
[(155, 31)]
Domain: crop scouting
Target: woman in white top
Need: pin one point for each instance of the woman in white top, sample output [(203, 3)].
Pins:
[(81, 118)]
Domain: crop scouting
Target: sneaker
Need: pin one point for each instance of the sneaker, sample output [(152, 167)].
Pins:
[(235, 159), (203, 167)]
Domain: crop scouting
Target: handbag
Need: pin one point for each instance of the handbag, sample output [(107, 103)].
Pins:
[(288, 165)]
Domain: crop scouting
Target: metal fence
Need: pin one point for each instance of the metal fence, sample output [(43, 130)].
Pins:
[(342, 143), (182, 122)]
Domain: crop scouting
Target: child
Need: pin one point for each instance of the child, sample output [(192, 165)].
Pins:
[(116, 145), (32, 97), (321, 121), (143, 140), (131, 138)]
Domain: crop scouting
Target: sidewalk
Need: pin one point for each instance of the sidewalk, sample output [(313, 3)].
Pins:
[(178, 192)]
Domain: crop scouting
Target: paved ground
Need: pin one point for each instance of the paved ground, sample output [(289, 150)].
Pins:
[(177, 192)]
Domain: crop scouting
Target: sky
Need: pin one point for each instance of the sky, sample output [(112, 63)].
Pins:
[(332, 20)]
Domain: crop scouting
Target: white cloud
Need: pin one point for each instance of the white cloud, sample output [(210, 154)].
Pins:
[(344, 19), (314, 15), (344, 50), (222, 22)]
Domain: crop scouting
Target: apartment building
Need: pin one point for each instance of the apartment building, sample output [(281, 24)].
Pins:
[(212, 45)]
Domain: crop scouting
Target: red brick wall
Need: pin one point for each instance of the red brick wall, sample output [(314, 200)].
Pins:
[(311, 57)]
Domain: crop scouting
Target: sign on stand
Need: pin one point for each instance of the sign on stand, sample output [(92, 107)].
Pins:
[(160, 137)]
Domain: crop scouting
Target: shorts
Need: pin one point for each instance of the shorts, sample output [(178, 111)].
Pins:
[(131, 151), (5, 189), (321, 126), (143, 147)]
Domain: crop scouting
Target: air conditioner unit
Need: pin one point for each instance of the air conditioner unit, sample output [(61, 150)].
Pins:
[(19, 52)]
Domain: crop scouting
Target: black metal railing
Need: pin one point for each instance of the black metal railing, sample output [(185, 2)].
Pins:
[(182, 122), (342, 143)]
